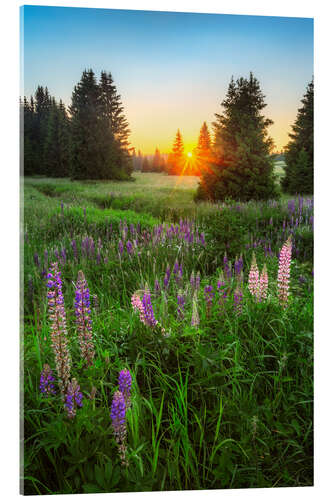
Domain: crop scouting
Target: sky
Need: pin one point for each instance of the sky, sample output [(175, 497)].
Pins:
[(171, 69)]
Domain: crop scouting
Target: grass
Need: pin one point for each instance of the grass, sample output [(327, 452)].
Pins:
[(226, 404)]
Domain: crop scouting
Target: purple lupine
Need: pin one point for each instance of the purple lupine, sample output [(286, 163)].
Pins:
[(148, 309), (125, 383), (118, 418), (83, 319), (98, 257), (197, 281), (238, 299), (120, 247), (157, 286), (238, 266), (192, 280), (73, 398), (181, 304), (226, 267), (195, 321), (46, 384), (129, 247), (74, 248), (209, 296), (57, 316)]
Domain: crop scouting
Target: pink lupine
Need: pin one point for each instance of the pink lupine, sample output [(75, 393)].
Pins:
[(284, 272), (254, 278), (263, 284)]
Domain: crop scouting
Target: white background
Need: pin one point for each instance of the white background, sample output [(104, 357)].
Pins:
[(9, 210)]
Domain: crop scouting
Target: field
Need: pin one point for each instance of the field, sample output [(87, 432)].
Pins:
[(221, 368)]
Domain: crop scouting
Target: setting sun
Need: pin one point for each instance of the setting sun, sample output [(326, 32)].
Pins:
[(189, 154)]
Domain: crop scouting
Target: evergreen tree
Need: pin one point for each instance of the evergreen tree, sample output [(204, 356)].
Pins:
[(27, 131), (116, 125), (56, 153), (203, 151), (90, 138), (176, 159), (242, 168), (146, 165), (42, 108), (299, 151), (157, 163)]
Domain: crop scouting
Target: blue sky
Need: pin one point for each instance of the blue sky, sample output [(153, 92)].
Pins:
[(171, 69)]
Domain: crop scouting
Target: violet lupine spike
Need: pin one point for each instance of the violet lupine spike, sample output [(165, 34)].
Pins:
[(181, 304), (238, 300), (120, 247), (254, 278), (73, 398), (118, 419), (129, 247), (209, 296), (263, 284), (57, 317), (148, 309), (125, 384), (284, 272), (157, 286), (195, 321), (46, 384), (197, 281), (83, 319)]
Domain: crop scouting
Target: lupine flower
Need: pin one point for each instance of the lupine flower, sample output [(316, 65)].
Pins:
[(46, 384), (118, 418), (254, 278), (148, 309), (238, 299), (157, 286), (238, 266), (209, 296), (195, 321), (129, 247), (263, 284), (74, 248), (73, 398), (120, 247), (83, 319), (192, 280), (284, 272), (57, 316), (197, 281), (125, 383), (181, 303)]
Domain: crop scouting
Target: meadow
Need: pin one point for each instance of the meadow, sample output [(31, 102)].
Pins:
[(216, 349)]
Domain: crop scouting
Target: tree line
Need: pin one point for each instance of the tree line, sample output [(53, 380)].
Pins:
[(87, 141)]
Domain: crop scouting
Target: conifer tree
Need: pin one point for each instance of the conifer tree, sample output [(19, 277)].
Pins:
[(146, 165), (27, 128), (299, 151), (176, 159), (203, 152), (156, 166), (90, 157), (242, 168), (56, 153)]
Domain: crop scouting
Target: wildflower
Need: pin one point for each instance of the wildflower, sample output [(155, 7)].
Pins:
[(238, 299), (125, 383), (74, 248), (129, 247), (238, 266), (83, 319), (118, 418), (195, 315), (263, 284), (148, 309), (284, 272), (57, 316), (226, 266), (254, 278), (192, 280), (209, 296), (73, 398), (197, 281), (120, 247), (181, 303), (46, 385), (157, 286)]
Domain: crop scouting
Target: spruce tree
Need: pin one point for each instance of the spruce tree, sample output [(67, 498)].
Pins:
[(242, 168), (299, 151), (156, 166), (89, 145), (203, 151), (176, 159), (42, 108), (56, 153), (27, 128), (146, 165)]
